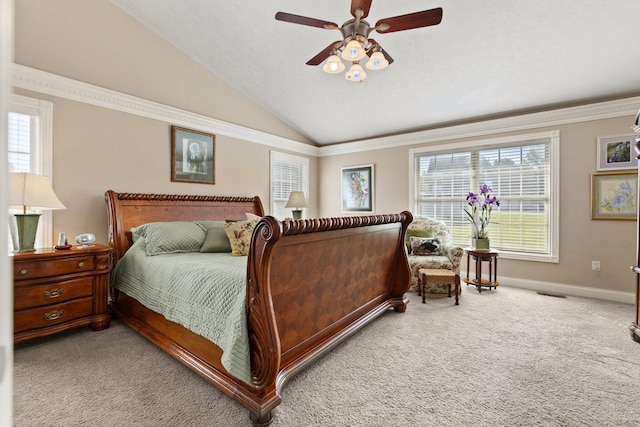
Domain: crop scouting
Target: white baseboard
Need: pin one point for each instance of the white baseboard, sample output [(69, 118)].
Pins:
[(564, 289)]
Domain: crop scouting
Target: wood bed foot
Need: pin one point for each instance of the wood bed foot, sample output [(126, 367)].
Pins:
[(635, 332), (261, 420), (401, 308)]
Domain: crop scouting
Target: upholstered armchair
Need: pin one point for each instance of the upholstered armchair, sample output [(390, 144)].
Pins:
[(448, 258)]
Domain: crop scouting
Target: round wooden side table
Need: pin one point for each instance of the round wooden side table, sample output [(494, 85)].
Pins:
[(480, 256)]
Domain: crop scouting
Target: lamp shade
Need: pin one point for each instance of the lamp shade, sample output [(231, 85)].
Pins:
[(28, 190), (296, 200)]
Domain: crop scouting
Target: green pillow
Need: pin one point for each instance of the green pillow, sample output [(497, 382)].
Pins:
[(416, 232), (171, 237), (216, 240)]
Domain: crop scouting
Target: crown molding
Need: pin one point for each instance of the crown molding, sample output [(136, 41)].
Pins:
[(31, 79), (588, 112)]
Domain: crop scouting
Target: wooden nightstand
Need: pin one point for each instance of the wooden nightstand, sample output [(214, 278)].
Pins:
[(56, 290)]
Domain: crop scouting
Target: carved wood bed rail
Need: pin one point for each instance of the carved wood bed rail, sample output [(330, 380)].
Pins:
[(310, 284)]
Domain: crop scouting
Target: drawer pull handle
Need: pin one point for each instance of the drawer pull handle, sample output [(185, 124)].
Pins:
[(53, 293), (23, 271), (81, 264), (53, 315)]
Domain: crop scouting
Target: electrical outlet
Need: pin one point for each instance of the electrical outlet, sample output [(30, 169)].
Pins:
[(595, 265)]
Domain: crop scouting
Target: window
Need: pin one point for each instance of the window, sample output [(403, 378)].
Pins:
[(521, 170), (288, 173), (29, 149)]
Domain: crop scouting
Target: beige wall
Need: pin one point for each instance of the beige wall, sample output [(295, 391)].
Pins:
[(582, 239), (94, 42), (96, 149)]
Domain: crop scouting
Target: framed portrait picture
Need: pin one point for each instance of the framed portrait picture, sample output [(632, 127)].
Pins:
[(616, 152), (614, 195), (357, 189), (192, 156)]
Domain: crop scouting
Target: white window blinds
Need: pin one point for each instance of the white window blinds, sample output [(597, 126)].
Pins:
[(519, 174), (21, 127), (288, 173)]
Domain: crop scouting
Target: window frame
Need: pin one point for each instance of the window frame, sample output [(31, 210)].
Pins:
[(554, 183), (292, 159), (42, 154)]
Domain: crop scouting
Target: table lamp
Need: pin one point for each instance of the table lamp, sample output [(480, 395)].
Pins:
[(30, 191), (297, 202)]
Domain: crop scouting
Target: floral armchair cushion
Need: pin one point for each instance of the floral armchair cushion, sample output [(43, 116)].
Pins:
[(450, 255)]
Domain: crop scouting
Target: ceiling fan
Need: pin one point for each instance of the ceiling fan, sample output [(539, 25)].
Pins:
[(355, 43)]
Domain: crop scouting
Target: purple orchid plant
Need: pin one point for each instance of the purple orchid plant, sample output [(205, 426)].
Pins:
[(479, 211)]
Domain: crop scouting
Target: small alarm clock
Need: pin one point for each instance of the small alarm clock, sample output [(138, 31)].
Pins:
[(85, 239)]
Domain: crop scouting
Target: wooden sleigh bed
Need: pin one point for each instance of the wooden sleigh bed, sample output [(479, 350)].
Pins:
[(310, 284)]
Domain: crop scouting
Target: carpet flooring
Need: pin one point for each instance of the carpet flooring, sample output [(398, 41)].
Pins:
[(507, 357)]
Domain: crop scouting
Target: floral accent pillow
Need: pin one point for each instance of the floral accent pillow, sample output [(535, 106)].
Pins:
[(239, 234), (253, 217), (417, 232), (425, 246)]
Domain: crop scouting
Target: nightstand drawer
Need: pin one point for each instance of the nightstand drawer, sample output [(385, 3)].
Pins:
[(52, 314), (57, 267), (53, 293)]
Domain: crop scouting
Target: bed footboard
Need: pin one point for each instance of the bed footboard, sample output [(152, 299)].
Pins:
[(311, 284)]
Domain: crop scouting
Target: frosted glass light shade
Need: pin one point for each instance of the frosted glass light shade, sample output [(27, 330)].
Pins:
[(377, 61), (353, 51), (333, 65), (356, 73)]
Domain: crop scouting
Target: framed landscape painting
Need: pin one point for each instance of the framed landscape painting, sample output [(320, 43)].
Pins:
[(192, 156), (616, 152), (614, 196), (357, 189)]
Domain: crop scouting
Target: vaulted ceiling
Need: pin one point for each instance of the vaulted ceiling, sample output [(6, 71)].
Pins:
[(486, 59)]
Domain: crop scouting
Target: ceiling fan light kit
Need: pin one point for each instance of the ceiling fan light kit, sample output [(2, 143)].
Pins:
[(355, 43)]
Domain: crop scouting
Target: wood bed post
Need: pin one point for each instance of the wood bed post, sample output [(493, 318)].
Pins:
[(403, 269), (264, 340)]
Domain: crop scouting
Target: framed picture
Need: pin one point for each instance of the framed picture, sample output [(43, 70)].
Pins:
[(357, 189), (616, 152), (614, 195), (192, 156)]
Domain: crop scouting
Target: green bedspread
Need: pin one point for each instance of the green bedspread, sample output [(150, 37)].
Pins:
[(204, 292)]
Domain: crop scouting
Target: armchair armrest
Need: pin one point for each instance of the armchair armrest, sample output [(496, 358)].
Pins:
[(454, 253)]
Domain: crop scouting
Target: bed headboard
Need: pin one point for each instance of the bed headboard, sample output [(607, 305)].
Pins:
[(126, 210)]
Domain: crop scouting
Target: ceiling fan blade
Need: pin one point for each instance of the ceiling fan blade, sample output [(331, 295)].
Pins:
[(410, 21), (365, 5), (324, 54), (384, 52), (303, 20)]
